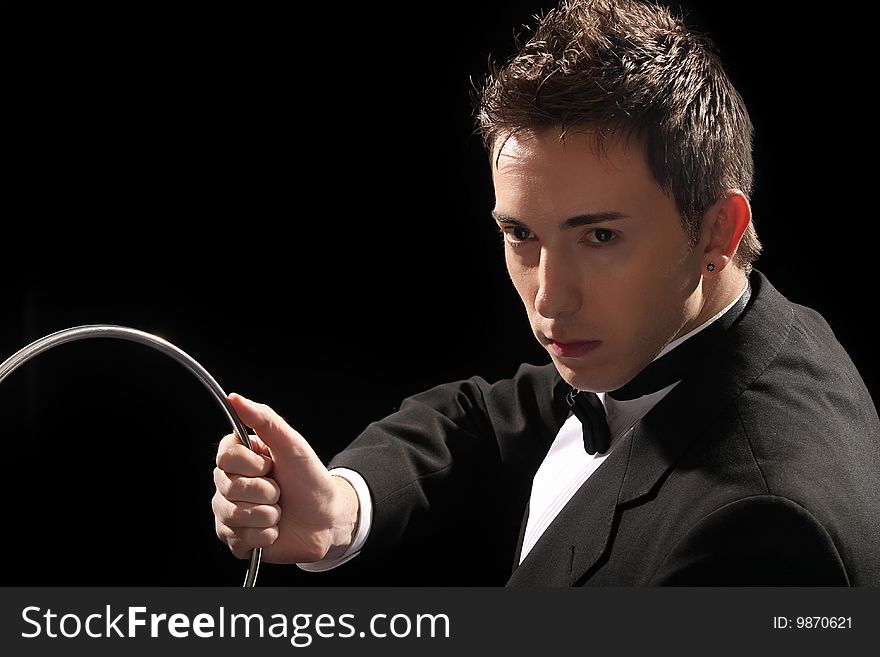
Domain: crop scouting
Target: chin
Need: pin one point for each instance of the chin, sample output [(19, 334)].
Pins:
[(581, 380)]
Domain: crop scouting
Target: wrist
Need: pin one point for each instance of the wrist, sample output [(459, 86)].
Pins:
[(345, 511)]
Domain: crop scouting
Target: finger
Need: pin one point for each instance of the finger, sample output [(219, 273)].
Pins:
[(257, 445), (235, 458), (271, 428), (236, 488), (244, 514), (242, 541)]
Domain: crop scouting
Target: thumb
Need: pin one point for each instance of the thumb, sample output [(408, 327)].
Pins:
[(283, 441)]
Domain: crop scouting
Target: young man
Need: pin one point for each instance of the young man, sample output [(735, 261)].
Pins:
[(731, 442)]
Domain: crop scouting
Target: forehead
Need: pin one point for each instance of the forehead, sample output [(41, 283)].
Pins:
[(571, 173)]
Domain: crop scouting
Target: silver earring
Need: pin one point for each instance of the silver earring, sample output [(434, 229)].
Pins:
[(710, 266)]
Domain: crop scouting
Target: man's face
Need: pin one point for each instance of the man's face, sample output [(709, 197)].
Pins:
[(597, 252)]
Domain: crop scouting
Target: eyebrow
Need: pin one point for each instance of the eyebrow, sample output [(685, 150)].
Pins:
[(572, 222)]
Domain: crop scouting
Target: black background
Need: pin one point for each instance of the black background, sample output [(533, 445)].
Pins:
[(298, 199)]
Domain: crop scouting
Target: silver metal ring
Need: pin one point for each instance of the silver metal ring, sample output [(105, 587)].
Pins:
[(133, 335)]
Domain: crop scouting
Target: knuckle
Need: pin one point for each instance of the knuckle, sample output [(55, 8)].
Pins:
[(224, 446), (220, 507), (239, 460), (275, 494), (232, 487), (242, 488), (245, 514), (241, 541), (221, 482), (223, 532), (235, 543), (238, 487), (259, 490), (225, 457), (236, 515)]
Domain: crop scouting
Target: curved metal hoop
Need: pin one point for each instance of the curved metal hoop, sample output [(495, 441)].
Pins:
[(133, 335)]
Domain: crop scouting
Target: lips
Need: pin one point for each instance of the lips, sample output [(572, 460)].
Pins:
[(572, 349)]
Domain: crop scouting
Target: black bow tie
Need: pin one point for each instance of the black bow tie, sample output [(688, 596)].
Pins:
[(660, 373)]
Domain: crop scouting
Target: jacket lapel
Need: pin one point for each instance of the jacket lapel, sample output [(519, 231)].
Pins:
[(578, 536)]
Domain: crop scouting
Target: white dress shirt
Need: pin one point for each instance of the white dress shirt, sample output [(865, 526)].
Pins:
[(567, 465), (563, 471)]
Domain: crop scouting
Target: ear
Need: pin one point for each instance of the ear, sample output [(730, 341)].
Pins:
[(723, 227)]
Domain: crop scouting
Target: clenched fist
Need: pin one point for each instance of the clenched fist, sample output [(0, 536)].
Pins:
[(280, 496)]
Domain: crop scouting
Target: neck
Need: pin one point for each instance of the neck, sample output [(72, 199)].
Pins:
[(713, 294)]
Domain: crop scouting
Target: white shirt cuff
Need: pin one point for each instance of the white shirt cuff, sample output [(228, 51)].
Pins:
[(365, 519)]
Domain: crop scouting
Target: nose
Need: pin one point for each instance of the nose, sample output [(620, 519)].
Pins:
[(557, 292)]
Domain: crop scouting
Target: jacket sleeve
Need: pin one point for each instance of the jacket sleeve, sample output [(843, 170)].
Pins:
[(762, 540), (453, 451)]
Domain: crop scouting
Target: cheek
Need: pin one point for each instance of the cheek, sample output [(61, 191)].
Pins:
[(522, 281), (656, 307), (636, 305)]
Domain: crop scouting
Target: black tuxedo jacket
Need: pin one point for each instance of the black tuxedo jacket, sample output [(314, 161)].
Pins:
[(762, 467)]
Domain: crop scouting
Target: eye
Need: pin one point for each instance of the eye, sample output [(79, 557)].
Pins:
[(516, 235), (601, 236), (521, 234)]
